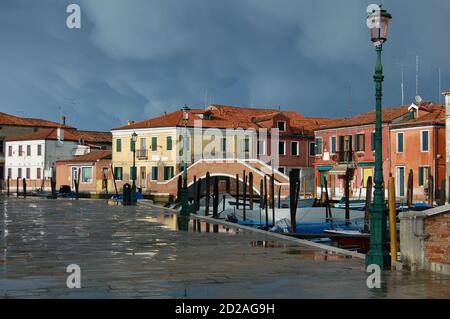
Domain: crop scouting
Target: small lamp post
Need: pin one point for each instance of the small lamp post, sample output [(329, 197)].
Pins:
[(378, 23), (184, 191), (133, 169)]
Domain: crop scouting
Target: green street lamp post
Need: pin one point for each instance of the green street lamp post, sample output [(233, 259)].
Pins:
[(133, 169), (378, 23), (185, 211)]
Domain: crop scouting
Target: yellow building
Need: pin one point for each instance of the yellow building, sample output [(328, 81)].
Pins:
[(159, 143)]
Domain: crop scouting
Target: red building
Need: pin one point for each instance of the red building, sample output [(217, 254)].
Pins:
[(348, 144)]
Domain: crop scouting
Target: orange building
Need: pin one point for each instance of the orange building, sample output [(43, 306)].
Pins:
[(419, 145), (90, 170)]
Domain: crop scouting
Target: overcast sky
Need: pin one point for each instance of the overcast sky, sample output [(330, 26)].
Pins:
[(135, 59)]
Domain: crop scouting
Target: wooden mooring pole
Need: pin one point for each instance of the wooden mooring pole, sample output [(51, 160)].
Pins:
[(208, 191), (250, 189), (409, 191), (195, 192), (7, 184), (114, 180), (77, 184), (261, 194), (179, 187), (328, 215), (198, 194), (24, 187), (392, 221), (17, 187), (347, 196), (244, 195), (216, 203), (430, 189), (279, 196), (292, 201), (265, 202), (237, 191), (272, 196)]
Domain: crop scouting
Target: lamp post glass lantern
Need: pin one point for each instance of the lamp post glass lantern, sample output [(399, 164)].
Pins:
[(378, 23), (133, 169)]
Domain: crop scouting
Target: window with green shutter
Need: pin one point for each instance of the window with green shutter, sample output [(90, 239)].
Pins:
[(169, 143), (399, 142), (119, 145), (168, 172), (118, 173), (154, 143), (360, 142), (154, 173), (423, 174), (318, 146), (333, 145), (132, 145), (425, 141)]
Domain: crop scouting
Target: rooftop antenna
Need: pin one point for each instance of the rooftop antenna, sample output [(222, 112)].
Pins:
[(417, 75), (60, 111), (440, 86), (206, 98), (402, 84)]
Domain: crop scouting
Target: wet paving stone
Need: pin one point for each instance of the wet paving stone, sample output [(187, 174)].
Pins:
[(136, 252)]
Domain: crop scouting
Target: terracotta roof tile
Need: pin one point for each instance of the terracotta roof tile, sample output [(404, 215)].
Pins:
[(8, 119), (69, 135), (226, 116), (436, 115), (388, 115), (93, 156)]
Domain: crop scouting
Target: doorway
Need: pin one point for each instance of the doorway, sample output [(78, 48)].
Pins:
[(74, 176), (400, 181), (143, 177)]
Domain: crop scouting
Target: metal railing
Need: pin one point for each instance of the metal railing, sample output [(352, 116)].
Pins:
[(142, 154)]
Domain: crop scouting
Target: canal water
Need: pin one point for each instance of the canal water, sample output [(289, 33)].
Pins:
[(138, 252)]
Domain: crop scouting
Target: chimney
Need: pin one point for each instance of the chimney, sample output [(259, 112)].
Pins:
[(60, 134), (130, 122), (63, 120)]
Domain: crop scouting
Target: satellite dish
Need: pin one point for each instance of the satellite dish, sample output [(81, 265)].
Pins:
[(418, 99)]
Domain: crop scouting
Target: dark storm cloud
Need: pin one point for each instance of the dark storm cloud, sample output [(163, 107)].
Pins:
[(135, 59)]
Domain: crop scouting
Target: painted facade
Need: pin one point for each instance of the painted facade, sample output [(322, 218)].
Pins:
[(413, 138), (34, 156), (11, 126), (217, 132), (93, 171)]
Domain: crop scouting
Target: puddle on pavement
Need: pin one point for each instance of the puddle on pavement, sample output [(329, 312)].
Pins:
[(172, 221), (303, 253)]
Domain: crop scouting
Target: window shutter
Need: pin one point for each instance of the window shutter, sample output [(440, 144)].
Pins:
[(421, 171), (169, 143), (154, 143)]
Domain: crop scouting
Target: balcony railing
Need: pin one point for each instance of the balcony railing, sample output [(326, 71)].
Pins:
[(142, 154), (345, 156)]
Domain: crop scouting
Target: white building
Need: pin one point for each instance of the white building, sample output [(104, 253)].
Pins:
[(33, 156), (11, 125)]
